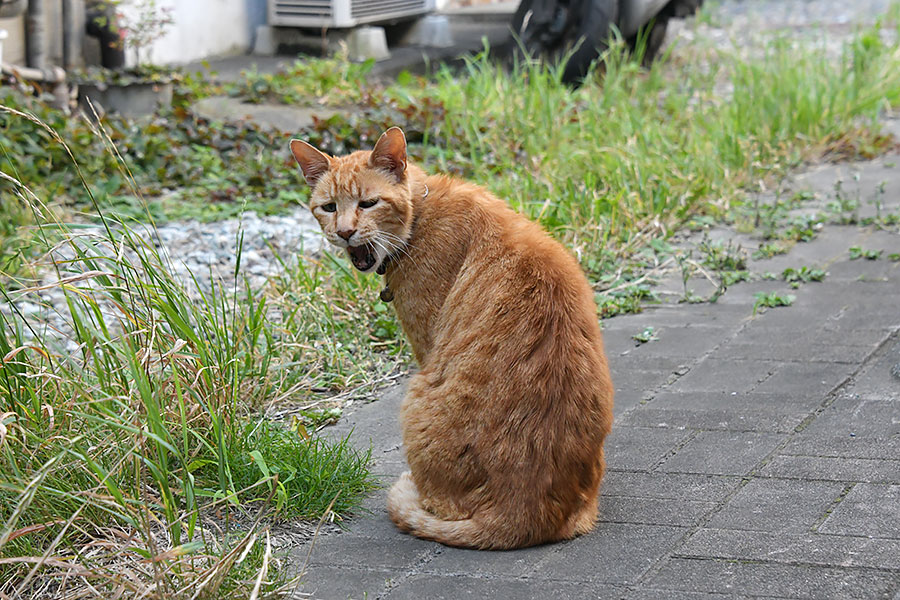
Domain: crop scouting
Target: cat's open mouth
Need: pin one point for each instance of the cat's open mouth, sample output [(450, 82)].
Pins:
[(362, 257)]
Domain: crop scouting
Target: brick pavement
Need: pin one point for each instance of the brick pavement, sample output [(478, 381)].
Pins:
[(752, 456)]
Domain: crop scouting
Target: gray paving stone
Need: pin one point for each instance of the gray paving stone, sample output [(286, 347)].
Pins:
[(675, 486), (433, 587), (851, 428), (653, 511), (833, 468), (639, 448), (716, 375), (681, 342), (713, 419), (330, 583), (810, 548), (863, 271), (509, 564), (814, 350), (722, 453), (374, 524), (869, 509), (655, 594), (880, 379), (617, 553), (629, 367), (789, 581), (866, 317), (762, 333), (777, 505), (348, 550), (793, 317), (388, 469), (627, 399), (809, 378), (689, 315), (376, 429), (737, 401)]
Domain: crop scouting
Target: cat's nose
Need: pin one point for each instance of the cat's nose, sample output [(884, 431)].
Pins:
[(346, 233)]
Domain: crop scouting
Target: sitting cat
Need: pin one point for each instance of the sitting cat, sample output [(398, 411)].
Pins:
[(504, 423)]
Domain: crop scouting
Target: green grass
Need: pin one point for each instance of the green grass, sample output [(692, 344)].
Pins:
[(772, 300), (137, 429), (133, 432)]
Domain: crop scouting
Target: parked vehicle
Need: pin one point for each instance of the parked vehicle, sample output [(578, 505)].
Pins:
[(550, 28)]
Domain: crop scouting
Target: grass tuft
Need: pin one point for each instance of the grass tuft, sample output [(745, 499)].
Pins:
[(133, 453)]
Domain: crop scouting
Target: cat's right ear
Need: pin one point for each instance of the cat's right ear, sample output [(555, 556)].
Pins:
[(312, 161), (389, 153)]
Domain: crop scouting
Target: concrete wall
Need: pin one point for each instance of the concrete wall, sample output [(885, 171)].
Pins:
[(202, 29), (205, 28), (14, 46)]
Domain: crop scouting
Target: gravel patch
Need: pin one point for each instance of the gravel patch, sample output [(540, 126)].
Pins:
[(198, 254)]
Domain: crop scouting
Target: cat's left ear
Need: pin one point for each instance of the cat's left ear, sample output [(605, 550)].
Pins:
[(313, 162), (389, 153)]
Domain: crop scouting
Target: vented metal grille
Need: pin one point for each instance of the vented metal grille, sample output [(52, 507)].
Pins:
[(360, 9), (343, 13), (289, 10)]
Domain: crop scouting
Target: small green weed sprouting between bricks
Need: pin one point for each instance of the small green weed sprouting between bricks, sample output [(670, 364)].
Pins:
[(772, 300), (857, 252), (769, 250), (647, 335), (802, 275)]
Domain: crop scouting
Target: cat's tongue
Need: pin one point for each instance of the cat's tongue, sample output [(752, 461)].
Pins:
[(362, 257)]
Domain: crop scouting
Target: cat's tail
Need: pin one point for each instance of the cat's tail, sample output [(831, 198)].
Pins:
[(407, 513)]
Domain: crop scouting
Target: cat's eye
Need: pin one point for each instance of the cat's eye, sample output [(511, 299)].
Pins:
[(368, 203), (330, 207)]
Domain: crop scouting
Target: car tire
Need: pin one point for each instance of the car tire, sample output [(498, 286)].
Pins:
[(594, 19), (654, 33), (649, 40), (587, 25)]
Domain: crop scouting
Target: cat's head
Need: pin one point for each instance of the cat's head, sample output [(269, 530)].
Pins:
[(362, 201)]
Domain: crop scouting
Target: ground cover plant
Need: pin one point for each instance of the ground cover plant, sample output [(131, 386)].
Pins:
[(133, 452), (133, 456)]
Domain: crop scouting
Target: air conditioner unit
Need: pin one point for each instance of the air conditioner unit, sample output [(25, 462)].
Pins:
[(343, 13)]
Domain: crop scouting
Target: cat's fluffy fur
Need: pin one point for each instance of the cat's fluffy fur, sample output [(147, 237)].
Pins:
[(504, 424)]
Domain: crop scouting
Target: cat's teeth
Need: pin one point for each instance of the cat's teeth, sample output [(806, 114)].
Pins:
[(363, 257)]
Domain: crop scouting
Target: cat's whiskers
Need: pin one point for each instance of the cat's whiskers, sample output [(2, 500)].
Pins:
[(397, 243), (394, 244)]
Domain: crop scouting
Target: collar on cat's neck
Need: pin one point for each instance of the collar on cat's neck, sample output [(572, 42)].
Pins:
[(387, 294)]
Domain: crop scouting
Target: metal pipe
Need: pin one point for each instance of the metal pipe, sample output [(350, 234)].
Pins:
[(71, 37), (54, 77), (35, 55)]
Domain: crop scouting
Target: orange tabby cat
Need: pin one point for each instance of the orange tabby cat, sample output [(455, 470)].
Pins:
[(504, 423)]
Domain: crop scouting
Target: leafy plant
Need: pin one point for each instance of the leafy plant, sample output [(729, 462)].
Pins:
[(335, 80), (647, 335), (132, 412), (624, 301), (730, 278), (857, 252), (803, 229), (772, 300), (802, 275), (769, 250), (723, 256)]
